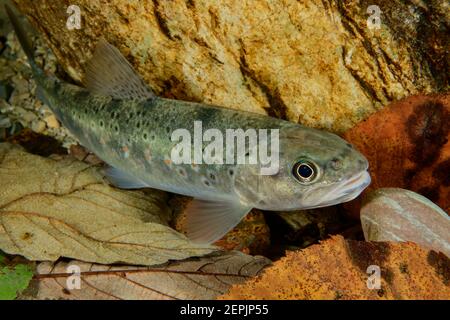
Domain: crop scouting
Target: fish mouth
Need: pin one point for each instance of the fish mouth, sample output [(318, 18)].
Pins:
[(344, 191), (353, 187)]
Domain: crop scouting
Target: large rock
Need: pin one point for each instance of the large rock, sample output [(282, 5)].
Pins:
[(312, 61)]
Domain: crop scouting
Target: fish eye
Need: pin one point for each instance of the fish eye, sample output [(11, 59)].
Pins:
[(305, 171)]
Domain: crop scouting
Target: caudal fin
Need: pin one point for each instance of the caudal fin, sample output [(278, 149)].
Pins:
[(25, 42)]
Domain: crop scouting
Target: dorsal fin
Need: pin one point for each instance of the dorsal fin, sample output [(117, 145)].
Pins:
[(109, 73)]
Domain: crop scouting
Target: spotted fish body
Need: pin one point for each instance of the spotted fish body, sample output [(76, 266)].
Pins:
[(136, 135), (119, 118)]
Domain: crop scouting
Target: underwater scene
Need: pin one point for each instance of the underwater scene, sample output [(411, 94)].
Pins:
[(224, 150)]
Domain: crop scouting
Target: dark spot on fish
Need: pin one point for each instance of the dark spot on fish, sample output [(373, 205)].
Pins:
[(442, 172), (212, 176), (138, 125), (168, 129), (153, 137), (349, 145), (336, 164), (145, 136), (101, 123), (206, 182), (116, 128), (230, 172), (428, 128), (205, 114), (182, 172)]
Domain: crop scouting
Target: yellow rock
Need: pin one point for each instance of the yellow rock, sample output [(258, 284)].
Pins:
[(311, 61), (51, 121)]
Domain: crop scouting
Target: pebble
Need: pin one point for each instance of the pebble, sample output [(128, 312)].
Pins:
[(51, 121), (38, 126), (394, 214), (29, 116)]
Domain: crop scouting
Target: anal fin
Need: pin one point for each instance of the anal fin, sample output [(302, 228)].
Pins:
[(208, 221)]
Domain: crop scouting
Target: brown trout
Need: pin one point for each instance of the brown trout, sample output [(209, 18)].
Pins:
[(118, 117)]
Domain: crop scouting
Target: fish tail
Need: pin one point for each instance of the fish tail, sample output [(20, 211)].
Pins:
[(24, 40)]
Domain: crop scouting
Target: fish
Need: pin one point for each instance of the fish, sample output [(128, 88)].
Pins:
[(119, 118)]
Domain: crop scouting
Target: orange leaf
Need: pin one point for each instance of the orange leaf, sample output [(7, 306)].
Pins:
[(408, 146), (337, 269)]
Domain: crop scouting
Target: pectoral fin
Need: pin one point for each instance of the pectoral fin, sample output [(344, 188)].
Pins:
[(123, 180), (208, 221)]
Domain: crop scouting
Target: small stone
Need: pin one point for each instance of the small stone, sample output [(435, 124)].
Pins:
[(51, 121), (29, 116), (394, 214), (38, 126)]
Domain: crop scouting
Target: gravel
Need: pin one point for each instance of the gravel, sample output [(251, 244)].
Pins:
[(19, 106)]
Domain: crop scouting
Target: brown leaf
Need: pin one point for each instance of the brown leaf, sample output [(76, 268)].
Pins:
[(203, 278), (337, 269), (53, 208), (408, 146)]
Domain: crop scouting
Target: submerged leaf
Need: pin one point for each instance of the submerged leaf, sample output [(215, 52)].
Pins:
[(203, 278), (408, 146), (340, 269), (62, 208)]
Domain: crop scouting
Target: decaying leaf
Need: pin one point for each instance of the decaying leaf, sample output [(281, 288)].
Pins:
[(338, 269), (62, 208), (200, 278), (408, 146), (14, 278)]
